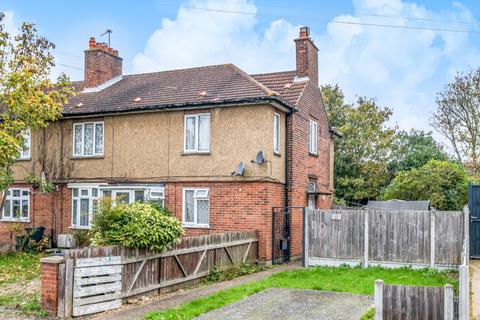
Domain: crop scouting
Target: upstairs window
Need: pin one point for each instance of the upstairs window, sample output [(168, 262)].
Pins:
[(197, 133), (17, 205), (196, 207), (313, 137), (276, 133), (25, 152), (88, 139)]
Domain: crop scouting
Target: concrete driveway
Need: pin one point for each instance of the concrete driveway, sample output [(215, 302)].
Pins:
[(281, 303)]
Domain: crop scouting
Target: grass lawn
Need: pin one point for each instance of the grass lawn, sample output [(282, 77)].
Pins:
[(19, 287), (342, 279)]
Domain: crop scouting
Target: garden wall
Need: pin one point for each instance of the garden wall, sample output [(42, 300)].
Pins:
[(90, 280)]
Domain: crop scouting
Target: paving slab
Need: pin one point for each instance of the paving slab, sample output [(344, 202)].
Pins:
[(286, 304)]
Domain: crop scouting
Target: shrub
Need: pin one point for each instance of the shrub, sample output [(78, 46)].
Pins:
[(137, 225)]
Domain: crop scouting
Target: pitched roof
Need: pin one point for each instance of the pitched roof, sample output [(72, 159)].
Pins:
[(187, 87)]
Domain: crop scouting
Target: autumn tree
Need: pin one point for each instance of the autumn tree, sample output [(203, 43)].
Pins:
[(29, 100), (362, 155), (457, 117)]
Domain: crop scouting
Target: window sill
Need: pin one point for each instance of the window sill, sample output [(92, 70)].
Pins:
[(86, 157), (24, 159), (79, 228), (313, 154), (196, 153), (15, 220), (278, 154), (195, 226)]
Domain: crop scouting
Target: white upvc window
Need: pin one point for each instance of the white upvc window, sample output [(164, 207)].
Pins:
[(84, 204), (197, 133), (131, 194), (276, 133), (88, 139), (196, 207), (25, 151), (313, 137), (17, 205)]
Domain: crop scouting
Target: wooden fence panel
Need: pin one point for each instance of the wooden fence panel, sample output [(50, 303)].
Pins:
[(336, 235), (448, 231), (399, 236)]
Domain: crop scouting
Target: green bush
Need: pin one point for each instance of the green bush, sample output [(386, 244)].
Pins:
[(137, 225), (444, 183)]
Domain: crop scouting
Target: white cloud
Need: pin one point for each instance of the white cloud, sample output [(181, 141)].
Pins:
[(197, 38), (402, 68), (9, 23)]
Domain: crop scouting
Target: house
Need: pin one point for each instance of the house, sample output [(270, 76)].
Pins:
[(178, 137)]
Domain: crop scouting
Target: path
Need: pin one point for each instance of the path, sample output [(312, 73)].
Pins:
[(475, 287), (130, 312), (286, 304)]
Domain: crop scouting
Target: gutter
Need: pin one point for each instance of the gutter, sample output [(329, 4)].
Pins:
[(277, 102)]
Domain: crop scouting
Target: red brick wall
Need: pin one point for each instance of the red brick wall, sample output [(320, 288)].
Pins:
[(49, 287), (101, 64), (235, 206)]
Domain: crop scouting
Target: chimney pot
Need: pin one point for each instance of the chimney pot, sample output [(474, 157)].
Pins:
[(102, 64), (91, 42), (306, 56), (304, 32), (115, 53)]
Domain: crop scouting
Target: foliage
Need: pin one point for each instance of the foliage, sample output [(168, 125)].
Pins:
[(38, 246), (38, 183), (457, 117), (235, 271), (444, 183), (137, 225), (18, 267), (28, 99), (342, 279), (414, 149), (369, 315), (82, 238), (21, 304), (363, 153)]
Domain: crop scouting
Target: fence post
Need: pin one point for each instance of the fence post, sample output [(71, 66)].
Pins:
[(305, 237), (378, 299), (463, 294), (50, 283), (432, 239), (365, 257), (466, 229), (448, 302)]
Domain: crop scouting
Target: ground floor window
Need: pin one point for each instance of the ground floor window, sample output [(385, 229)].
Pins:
[(196, 207), (84, 202), (17, 204)]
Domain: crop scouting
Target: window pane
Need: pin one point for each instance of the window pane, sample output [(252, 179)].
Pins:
[(84, 193), (88, 140), (190, 133), (84, 211), (94, 192), (139, 195), (122, 197), (24, 208), (26, 146), (202, 193), (25, 193), (16, 209), (75, 211), (99, 138), (156, 195), (78, 139), (6, 212), (16, 192), (75, 192), (276, 133), (189, 207), (107, 193), (204, 133), (202, 211)]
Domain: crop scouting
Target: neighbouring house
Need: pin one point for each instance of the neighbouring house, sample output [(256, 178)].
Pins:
[(181, 138)]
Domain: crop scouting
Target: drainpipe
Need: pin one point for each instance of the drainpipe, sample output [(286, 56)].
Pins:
[(287, 116)]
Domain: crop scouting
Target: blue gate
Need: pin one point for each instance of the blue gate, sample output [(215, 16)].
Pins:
[(474, 207)]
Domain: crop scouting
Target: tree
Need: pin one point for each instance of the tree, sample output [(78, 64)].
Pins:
[(457, 117), (444, 183), (363, 153), (414, 149), (28, 99)]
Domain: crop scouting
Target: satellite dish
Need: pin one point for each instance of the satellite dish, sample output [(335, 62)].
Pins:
[(240, 170), (260, 158)]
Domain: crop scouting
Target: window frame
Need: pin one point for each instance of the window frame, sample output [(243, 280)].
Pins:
[(313, 138), (276, 133), (28, 138), (195, 223), (91, 204), (94, 154), (8, 194), (196, 149)]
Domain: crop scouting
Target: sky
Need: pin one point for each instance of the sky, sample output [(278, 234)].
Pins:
[(403, 66)]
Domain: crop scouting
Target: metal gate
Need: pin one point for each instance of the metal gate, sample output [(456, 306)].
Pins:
[(474, 208), (281, 224)]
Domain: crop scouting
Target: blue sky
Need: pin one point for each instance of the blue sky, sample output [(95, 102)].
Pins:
[(402, 68)]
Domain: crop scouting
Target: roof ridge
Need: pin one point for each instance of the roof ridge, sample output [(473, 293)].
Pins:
[(270, 73), (263, 87), (177, 70)]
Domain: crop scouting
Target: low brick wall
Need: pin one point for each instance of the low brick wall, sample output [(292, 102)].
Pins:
[(50, 283)]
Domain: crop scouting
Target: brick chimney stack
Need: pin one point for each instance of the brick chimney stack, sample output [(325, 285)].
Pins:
[(306, 56), (102, 63)]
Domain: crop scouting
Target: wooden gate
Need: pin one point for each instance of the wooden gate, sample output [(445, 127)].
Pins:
[(97, 285)]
